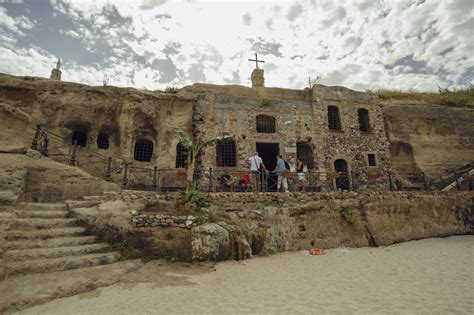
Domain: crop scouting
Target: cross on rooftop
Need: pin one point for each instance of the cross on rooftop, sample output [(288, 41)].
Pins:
[(256, 61)]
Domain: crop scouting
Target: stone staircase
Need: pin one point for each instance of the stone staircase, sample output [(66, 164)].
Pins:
[(42, 238)]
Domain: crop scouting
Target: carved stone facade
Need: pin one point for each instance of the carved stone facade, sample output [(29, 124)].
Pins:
[(132, 126)]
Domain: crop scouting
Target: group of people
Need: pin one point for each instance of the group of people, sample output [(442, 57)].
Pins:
[(283, 170)]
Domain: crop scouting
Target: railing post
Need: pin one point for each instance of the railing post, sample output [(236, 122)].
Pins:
[(458, 185), (155, 178), (73, 159), (390, 180), (210, 189), (108, 168), (34, 143), (44, 149), (125, 176), (425, 183)]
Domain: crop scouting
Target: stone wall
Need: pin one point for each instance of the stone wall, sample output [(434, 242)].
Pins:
[(300, 221), (301, 117), (249, 224)]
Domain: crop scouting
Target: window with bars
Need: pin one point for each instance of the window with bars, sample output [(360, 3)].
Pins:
[(334, 122), (304, 153), (265, 124), (143, 150), (363, 120), (225, 153), (181, 156), (103, 141), (79, 138), (371, 159)]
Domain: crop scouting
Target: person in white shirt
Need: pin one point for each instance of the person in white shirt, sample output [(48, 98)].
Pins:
[(256, 168)]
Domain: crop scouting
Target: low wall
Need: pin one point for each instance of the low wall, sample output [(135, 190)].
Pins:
[(299, 221), (246, 224)]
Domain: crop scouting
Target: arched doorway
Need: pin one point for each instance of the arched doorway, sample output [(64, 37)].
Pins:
[(342, 181)]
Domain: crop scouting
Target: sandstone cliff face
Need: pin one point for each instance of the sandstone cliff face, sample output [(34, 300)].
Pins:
[(429, 138), (122, 114)]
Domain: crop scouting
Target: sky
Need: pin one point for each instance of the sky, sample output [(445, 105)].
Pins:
[(419, 45)]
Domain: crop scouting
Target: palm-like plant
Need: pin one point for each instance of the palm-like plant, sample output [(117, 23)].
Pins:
[(193, 149)]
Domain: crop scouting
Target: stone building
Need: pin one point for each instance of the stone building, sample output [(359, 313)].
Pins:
[(333, 130)]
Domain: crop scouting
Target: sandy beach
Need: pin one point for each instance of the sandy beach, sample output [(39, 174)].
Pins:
[(426, 276)]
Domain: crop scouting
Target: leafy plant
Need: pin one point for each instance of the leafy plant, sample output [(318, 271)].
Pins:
[(193, 150), (195, 198), (351, 216)]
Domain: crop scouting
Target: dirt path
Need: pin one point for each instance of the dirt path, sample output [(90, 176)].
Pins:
[(433, 275)]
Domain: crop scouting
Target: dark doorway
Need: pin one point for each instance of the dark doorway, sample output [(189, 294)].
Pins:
[(79, 138), (268, 152), (342, 182)]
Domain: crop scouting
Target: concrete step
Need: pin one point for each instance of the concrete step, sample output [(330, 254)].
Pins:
[(17, 235), (41, 206), (52, 242), (40, 214), (42, 253), (61, 263), (40, 224)]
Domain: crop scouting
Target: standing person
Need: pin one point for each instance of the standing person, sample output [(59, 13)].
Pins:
[(256, 167), (280, 171), (301, 174)]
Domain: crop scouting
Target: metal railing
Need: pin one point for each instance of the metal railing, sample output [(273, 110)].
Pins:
[(57, 148), (237, 180)]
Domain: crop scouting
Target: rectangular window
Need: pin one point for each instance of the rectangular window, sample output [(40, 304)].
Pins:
[(334, 122), (371, 159), (226, 153)]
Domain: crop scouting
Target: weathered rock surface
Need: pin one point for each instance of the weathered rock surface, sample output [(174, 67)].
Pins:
[(210, 241)]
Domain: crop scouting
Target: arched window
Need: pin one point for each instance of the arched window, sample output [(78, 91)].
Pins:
[(342, 181), (334, 122), (143, 150), (265, 124), (103, 141), (364, 124), (181, 156), (225, 153), (79, 138)]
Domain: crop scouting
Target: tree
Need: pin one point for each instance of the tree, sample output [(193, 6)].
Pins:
[(193, 149)]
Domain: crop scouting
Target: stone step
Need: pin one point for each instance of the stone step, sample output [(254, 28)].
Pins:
[(20, 292), (52, 242), (40, 224), (17, 235), (61, 263), (98, 198), (42, 253), (41, 206), (50, 214)]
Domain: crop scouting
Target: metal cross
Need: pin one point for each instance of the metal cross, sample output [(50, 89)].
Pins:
[(256, 61)]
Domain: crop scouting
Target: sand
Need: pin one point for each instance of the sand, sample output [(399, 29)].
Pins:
[(426, 276)]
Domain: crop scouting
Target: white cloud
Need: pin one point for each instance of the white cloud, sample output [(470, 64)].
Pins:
[(359, 44)]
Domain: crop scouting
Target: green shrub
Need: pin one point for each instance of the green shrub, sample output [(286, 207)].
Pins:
[(172, 89), (351, 216), (195, 199)]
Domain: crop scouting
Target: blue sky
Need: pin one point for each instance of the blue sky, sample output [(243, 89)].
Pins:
[(409, 45)]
